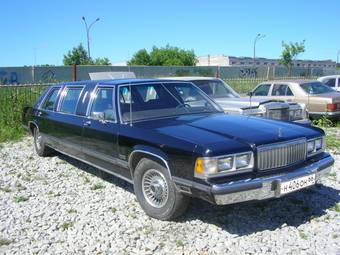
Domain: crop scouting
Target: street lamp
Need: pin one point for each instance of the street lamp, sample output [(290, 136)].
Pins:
[(88, 34), (258, 37)]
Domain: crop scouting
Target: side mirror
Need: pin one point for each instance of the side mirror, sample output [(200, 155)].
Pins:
[(98, 115)]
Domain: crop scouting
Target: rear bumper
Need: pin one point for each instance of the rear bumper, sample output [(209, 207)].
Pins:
[(266, 187), (326, 114), (303, 122)]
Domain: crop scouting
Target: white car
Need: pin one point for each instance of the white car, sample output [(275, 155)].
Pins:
[(332, 81)]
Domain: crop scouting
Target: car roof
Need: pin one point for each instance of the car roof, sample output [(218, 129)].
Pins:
[(113, 82), (188, 78), (298, 81), (330, 76)]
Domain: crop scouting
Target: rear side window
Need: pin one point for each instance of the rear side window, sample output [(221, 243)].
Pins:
[(102, 106), (262, 90), (70, 100), (330, 82), (51, 100), (281, 90)]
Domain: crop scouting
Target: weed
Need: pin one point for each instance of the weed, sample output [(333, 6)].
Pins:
[(72, 210), (97, 186), (336, 208), (179, 243), (113, 209), (20, 199), (5, 189), (66, 225), (4, 241), (303, 235)]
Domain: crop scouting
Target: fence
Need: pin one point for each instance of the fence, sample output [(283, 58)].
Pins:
[(24, 75)]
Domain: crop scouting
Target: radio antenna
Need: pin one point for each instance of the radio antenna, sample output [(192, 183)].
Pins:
[(130, 104)]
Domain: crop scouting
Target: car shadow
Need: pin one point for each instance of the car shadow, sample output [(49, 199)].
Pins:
[(245, 218)]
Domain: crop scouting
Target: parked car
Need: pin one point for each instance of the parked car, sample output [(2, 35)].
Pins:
[(332, 81), (172, 142), (319, 98), (231, 102)]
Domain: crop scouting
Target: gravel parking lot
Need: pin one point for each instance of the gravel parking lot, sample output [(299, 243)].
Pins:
[(58, 205)]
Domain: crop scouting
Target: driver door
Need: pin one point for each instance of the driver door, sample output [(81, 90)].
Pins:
[(100, 128)]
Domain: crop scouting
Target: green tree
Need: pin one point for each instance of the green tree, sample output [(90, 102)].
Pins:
[(290, 52), (140, 58), (102, 62), (78, 56), (164, 56)]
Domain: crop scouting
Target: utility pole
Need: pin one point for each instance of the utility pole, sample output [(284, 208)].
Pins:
[(88, 34), (258, 37)]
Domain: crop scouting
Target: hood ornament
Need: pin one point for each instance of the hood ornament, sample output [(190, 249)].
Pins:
[(280, 133)]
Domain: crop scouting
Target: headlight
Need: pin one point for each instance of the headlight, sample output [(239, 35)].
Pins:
[(217, 166), (315, 146)]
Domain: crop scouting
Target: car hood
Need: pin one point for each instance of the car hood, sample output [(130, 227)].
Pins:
[(227, 102), (203, 129)]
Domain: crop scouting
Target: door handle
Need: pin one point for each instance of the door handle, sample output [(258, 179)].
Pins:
[(87, 123)]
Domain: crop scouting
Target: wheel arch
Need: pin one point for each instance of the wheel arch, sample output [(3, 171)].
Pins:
[(31, 126), (149, 152)]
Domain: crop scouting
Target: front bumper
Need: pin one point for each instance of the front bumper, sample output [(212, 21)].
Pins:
[(266, 187)]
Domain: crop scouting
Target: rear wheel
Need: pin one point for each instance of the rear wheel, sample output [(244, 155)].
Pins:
[(156, 192), (39, 144)]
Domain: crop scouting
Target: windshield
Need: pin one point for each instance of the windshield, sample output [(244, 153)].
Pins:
[(216, 88), (157, 100), (315, 88)]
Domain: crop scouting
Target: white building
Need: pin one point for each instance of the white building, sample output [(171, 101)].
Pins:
[(222, 60)]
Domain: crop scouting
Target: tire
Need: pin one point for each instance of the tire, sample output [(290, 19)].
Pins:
[(168, 202), (39, 144)]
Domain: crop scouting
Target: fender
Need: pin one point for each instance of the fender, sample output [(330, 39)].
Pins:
[(155, 152)]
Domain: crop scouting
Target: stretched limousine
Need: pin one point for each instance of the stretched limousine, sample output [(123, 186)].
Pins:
[(172, 142)]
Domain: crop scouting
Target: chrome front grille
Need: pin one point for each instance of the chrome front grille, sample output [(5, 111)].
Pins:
[(281, 154)]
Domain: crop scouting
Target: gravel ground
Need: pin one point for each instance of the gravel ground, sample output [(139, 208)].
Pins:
[(58, 205)]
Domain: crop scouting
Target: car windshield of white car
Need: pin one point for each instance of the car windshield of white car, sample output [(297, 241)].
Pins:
[(315, 88), (216, 88), (158, 100)]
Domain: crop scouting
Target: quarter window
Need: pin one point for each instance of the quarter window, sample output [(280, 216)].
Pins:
[(102, 106), (69, 103), (262, 90), (51, 100)]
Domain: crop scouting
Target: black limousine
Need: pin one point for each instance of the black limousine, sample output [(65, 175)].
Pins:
[(172, 142)]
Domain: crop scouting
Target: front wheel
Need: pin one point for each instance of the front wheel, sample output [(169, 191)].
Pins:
[(156, 193), (39, 144)]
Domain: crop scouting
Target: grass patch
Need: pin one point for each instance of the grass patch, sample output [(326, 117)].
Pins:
[(4, 241), (97, 186), (66, 226), (336, 208), (52, 194), (303, 235), (113, 209), (72, 211), (179, 243), (20, 199), (332, 142), (5, 189)]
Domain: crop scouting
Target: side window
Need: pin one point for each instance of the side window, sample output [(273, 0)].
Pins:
[(262, 90), (281, 90), (330, 82), (70, 100), (102, 106), (51, 100)]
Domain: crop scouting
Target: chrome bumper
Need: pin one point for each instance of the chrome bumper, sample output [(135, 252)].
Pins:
[(266, 187)]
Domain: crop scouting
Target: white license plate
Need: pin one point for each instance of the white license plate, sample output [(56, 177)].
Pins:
[(296, 184)]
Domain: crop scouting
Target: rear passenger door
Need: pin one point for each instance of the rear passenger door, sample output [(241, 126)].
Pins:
[(69, 124), (282, 92), (100, 130)]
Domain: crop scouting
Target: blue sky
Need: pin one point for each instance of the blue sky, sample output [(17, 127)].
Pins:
[(207, 27)]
